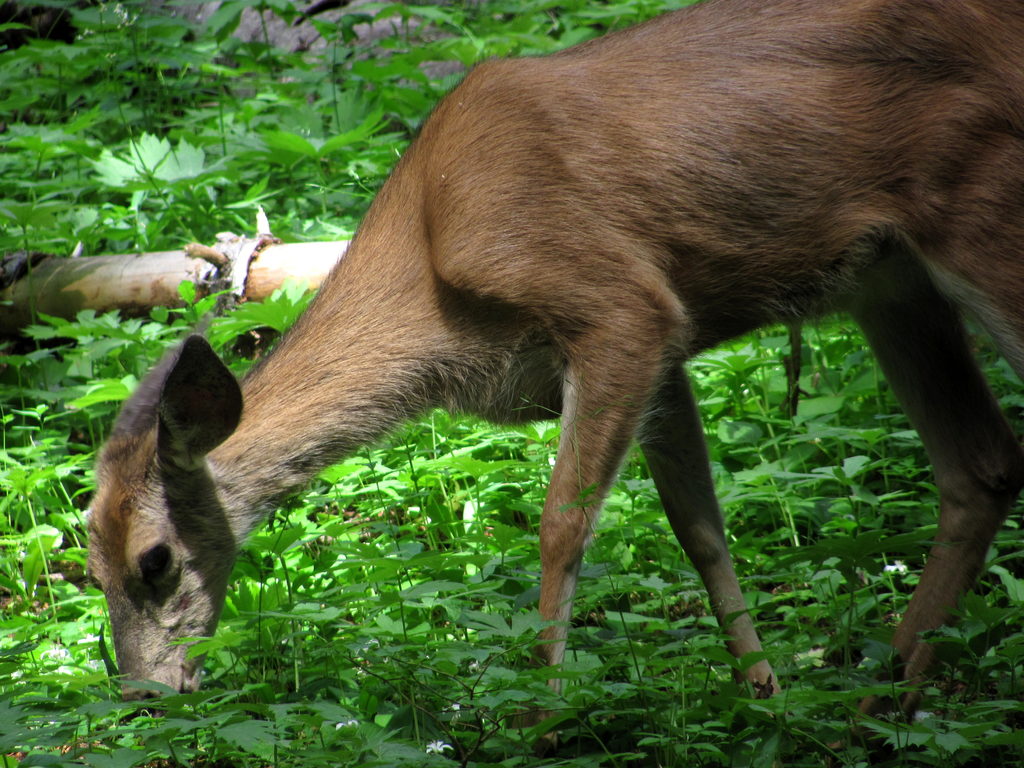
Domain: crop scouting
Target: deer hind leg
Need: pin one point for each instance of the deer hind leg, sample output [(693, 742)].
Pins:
[(673, 442), (922, 347)]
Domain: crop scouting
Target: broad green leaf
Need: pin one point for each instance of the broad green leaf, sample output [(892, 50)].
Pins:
[(431, 588), (739, 432), (367, 128), (255, 736), (39, 542), (104, 391), (182, 162), (854, 465), (122, 757), (1013, 585), (283, 141), (815, 407), (148, 152)]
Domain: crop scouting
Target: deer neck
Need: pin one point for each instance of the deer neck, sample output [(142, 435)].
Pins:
[(361, 361)]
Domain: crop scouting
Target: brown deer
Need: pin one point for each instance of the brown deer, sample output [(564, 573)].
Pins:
[(569, 230)]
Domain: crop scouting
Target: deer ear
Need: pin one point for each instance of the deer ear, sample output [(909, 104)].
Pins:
[(200, 405), (139, 412)]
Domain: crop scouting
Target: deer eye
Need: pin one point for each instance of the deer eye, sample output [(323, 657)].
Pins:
[(154, 561)]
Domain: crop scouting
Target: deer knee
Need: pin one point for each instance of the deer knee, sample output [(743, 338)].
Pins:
[(978, 494), (999, 471), (1006, 478)]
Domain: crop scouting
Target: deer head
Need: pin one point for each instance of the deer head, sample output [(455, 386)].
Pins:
[(161, 546)]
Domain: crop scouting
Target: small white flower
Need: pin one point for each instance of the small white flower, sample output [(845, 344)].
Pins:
[(898, 566), (56, 654), (437, 747), (350, 723), (89, 640)]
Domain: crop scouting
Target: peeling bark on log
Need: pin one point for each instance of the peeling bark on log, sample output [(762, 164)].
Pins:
[(136, 283)]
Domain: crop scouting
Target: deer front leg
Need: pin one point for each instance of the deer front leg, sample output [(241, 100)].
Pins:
[(604, 392), (593, 441), (673, 442)]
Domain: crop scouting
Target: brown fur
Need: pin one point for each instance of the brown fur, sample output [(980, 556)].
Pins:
[(568, 230)]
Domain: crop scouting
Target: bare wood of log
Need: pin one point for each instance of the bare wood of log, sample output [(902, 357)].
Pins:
[(135, 283), (206, 253)]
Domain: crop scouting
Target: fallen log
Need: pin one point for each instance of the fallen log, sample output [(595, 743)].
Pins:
[(250, 268)]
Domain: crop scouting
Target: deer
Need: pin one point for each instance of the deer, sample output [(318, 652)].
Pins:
[(563, 235)]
